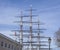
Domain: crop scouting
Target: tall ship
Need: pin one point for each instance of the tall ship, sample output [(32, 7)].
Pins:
[(29, 32)]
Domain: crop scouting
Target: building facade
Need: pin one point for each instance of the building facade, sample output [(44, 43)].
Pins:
[(8, 43)]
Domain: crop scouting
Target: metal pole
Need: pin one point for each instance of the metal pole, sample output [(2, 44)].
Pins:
[(49, 43), (49, 46)]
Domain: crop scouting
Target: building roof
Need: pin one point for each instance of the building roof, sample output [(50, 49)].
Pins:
[(8, 38)]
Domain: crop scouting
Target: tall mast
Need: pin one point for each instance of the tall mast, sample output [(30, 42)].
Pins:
[(38, 35), (21, 32), (31, 27)]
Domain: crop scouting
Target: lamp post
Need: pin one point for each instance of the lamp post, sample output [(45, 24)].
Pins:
[(49, 40)]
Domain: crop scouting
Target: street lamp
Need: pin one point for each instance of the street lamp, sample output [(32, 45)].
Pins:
[(49, 40)]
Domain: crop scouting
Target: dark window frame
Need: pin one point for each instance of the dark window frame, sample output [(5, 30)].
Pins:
[(5, 44), (9, 46), (2, 44)]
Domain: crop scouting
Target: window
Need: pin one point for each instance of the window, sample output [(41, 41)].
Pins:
[(12, 47), (5, 44), (1, 43), (9, 46)]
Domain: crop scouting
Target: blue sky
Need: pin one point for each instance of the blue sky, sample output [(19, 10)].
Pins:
[(48, 11)]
